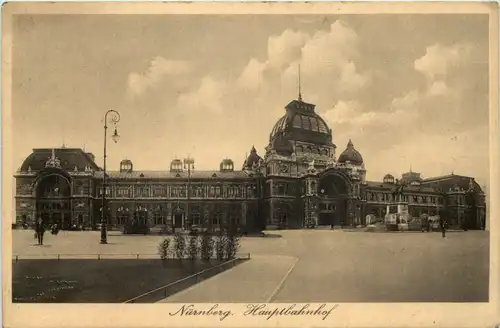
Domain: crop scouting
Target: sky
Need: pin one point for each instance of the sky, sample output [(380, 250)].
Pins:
[(408, 90)]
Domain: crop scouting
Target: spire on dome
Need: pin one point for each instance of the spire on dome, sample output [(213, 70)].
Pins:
[(300, 93), (350, 144), (53, 161)]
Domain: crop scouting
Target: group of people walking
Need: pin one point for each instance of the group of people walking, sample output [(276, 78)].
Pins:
[(40, 230), (426, 224)]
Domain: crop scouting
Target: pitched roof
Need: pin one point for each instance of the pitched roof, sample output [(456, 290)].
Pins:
[(195, 175), (446, 182), (391, 187), (68, 157)]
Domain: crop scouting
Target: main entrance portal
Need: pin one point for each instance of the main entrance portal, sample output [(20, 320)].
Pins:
[(53, 200), (333, 194)]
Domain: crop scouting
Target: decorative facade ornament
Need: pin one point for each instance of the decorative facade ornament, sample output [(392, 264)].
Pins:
[(80, 205), (75, 169), (53, 161), (471, 184), (29, 168), (355, 173), (331, 162), (311, 168)]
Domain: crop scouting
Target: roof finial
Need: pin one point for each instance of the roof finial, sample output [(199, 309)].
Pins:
[(410, 168), (300, 93), (63, 137)]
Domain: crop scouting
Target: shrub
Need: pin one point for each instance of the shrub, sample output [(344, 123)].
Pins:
[(164, 248), (220, 245), (192, 247), (206, 244), (180, 245)]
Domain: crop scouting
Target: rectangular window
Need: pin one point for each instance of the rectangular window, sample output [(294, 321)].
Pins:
[(159, 191), (122, 219), (196, 218), (123, 192), (216, 220), (159, 219), (108, 191), (281, 189)]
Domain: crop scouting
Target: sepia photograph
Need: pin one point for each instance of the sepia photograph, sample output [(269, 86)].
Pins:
[(312, 159)]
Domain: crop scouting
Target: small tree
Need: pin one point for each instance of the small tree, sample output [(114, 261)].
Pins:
[(206, 244), (192, 249), (220, 245), (232, 243), (180, 245), (164, 248)]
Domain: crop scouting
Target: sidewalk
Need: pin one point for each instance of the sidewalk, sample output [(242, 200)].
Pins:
[(254, 281)]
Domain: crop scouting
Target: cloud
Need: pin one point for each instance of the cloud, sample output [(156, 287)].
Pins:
[(439, 60), (285, 48), (434, 155), (245, 104), (159, 68), (207, 98), (260, 90)]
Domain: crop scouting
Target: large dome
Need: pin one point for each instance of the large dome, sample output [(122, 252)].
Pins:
[(351, 155), (303, 124)]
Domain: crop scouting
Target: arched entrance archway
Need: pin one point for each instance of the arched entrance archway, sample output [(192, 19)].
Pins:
[(53, 205), (333, 200)]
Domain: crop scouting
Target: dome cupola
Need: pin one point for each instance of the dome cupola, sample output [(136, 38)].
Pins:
[(227, 165), (350, 155), (302, 123), (388, 178), (176, 165), (126, 166)]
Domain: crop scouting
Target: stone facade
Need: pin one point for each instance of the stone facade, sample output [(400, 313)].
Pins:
[(298, 183)]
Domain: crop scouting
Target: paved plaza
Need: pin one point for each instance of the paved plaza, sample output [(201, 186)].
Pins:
[(316, 265)]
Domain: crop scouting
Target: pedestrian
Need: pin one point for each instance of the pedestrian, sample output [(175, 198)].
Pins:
[(424, 222), (40, 230), (442, 224)]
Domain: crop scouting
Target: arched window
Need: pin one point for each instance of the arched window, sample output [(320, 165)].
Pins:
[(216, 219), (313, 187), (281, 188)]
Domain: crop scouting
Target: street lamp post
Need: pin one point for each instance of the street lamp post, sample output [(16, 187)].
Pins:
[(189, 165), (115, 118)]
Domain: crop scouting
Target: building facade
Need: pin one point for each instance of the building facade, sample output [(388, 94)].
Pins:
[(298, 183)]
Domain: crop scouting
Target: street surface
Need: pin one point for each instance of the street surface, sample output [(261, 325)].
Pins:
[(316, 265)]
